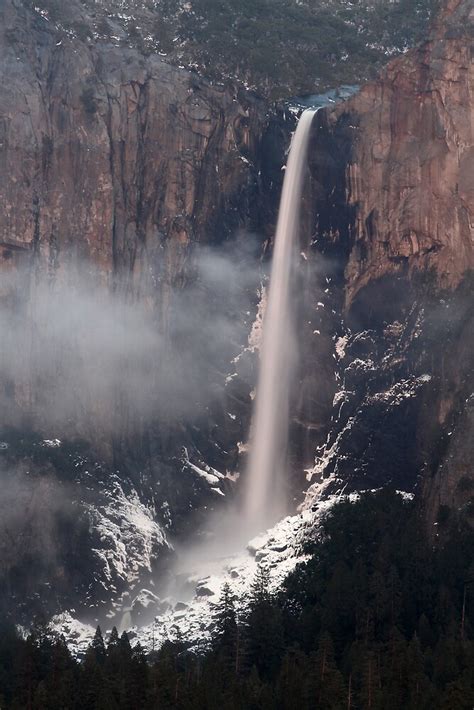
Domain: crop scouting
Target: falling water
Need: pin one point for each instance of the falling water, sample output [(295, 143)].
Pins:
[(265, 498)]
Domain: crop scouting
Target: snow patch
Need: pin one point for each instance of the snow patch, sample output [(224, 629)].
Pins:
[(405, 389), (77, 635), (209, 474), (341, 344), (130, 539), (51, 443)]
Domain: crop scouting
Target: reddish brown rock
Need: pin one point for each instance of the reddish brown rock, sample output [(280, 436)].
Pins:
[(115, 158), (393, 189), (410, 168)]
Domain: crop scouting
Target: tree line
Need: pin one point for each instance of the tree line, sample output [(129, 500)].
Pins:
[(380, 617)]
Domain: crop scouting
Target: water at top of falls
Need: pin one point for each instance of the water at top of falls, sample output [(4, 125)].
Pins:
[(264, 495)]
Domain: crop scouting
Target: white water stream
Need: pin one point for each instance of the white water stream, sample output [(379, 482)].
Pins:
[(264, 497)]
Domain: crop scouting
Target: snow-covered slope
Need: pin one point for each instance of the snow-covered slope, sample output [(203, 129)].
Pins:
[(192, 615)]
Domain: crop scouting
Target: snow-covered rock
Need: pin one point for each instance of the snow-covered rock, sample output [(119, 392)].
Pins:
[(279, 549), (129, 537)]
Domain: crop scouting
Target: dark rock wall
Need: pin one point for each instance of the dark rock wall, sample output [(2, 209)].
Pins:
[(114, 157), (392, 177)]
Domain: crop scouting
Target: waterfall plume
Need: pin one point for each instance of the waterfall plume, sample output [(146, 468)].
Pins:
[(264, 495), (264, 498)]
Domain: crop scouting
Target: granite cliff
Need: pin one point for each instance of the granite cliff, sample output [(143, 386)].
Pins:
[(397, 223)]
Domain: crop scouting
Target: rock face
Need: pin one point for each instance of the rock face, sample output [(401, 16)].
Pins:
[(398, 221), (116, 158), (410, 176)]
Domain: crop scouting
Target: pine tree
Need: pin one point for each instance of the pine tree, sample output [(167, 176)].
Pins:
[(113, 640), (459, 694), (41, 698), (106, 698), (164, 677), (62, 678), (139, 677), (395, 672), (447, 662), (9, 654), (124, 678), (92, 675), (425, 633), (294, 672), (264, 626), (325, 687), (254, 688), (28, 673), (370, 693), (338, 617), (419, 689), (97, 647), (226, 637), (117, 662)]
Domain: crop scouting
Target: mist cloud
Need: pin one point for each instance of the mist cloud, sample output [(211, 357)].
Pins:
[(74, 355)]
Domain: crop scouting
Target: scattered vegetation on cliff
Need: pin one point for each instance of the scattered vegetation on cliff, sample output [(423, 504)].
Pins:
[(377, 618), (278, 47)]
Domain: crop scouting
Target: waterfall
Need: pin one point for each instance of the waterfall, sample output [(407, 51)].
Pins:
[(264, 500), (264, 494)]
